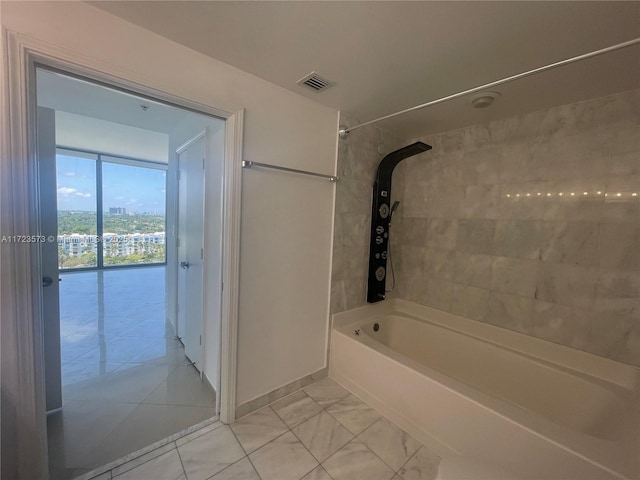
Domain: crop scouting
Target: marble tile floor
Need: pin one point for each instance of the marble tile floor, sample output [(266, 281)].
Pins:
[(126, 380), (321, 432)]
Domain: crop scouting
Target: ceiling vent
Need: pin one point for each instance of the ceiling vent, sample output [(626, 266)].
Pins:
[(315, 82)]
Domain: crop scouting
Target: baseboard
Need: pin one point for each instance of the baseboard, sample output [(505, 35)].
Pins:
[(270, 397)]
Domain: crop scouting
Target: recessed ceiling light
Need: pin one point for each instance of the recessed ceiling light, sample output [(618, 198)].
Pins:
[(484, 99)]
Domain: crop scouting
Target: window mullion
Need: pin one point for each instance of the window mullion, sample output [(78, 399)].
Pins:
[(99, 213)]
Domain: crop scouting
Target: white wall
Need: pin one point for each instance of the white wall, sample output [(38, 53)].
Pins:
[(286, 219), (87, 133)]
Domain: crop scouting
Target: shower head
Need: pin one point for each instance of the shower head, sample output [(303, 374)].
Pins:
[(381, 215)]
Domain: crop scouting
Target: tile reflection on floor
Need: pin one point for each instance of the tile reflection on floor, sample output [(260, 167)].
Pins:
[(321, 432), (126, 380)]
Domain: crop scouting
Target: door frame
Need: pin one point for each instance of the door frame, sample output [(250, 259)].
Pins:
[(19, 215)]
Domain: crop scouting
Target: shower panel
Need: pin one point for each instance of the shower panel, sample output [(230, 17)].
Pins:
[(381, 218)]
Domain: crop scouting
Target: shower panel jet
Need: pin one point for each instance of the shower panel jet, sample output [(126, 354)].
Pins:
[(381, 219)]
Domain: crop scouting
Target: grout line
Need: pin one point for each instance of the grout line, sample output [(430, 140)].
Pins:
[(307, 473), (270, 441), (302, 421), (300, 440), (357, 437), (289, 430), (374, 453), (242, 446), (180, 458), (408, 460), (246, 454)]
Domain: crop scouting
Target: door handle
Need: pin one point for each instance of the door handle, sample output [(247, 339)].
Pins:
[(48, 281), (184, 265)]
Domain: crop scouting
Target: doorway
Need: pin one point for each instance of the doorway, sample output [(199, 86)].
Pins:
[(119, 378)]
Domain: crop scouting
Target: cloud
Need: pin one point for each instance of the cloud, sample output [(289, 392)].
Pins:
[(69, 174), (66, 192)]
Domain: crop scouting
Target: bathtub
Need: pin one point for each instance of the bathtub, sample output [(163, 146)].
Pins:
[(535, 408)]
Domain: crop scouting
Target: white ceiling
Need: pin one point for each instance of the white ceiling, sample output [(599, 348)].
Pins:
[(69, 94), (387, 56)]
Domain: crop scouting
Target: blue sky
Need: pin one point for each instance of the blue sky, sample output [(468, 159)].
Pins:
[(136, 189)]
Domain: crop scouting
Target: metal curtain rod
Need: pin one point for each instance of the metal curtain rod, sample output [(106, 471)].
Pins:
[(343, 132), (249, 164)]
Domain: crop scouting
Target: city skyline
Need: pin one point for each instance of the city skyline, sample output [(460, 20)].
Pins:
[(106, 210)]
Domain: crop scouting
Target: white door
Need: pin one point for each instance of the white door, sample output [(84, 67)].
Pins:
[(49, 256), (191, 163)]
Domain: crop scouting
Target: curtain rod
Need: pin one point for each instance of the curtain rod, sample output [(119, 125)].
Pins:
[(344, 131)]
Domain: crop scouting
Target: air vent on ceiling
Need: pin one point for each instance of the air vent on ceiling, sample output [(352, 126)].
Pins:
[(315, 81)]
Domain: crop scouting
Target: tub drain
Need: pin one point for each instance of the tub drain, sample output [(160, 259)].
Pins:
[(376, 327)]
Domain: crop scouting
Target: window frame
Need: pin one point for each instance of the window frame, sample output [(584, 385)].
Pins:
[(118, 160)]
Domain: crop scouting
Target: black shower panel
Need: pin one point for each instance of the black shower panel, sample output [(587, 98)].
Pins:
[(380, 219)]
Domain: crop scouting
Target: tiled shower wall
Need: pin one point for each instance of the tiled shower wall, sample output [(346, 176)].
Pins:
[(532, 224), (358, 159), (529, 223)]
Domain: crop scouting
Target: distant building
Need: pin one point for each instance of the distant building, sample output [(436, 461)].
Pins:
[(118, 210), (115, 245)]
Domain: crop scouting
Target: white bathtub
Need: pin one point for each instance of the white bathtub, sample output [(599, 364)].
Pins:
[(540, 410)]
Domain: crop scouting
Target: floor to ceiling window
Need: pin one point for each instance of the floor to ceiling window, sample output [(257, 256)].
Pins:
[(111, 210), (77, 209)]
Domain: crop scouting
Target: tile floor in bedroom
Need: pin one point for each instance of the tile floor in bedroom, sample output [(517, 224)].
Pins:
[(126, 380), (319, 433)]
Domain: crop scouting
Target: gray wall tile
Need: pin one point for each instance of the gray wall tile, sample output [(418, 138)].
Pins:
[(481, 167), (620, 246), (527, 159), (514, 275), (518, 238), (510, 311), (476, 236), (516, 223), (442, 233), (572, 285), (472, 269), (437, 293), (469, 302), (520, 201), (480, 201), (561, 324), (620, 205), (570, 242)]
